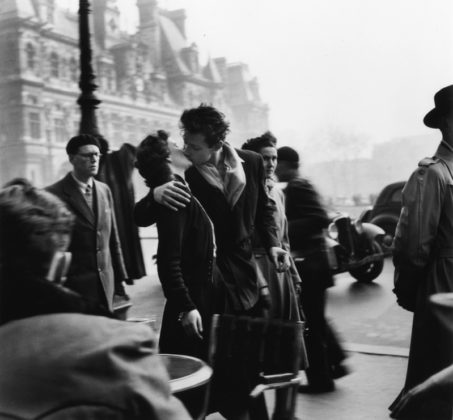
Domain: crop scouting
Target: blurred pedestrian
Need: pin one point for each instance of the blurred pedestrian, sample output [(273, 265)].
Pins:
[(185, 237), (97, 270), (423, 258), (57, 358), (307, 219), (284, 287)]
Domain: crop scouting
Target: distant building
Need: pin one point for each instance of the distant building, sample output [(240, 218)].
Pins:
[(145, 80), (391, 161)]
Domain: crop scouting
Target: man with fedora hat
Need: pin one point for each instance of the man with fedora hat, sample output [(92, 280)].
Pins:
[(423, 258), (97, 269)]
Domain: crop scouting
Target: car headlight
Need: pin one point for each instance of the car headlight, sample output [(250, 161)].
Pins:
[(333, 231)]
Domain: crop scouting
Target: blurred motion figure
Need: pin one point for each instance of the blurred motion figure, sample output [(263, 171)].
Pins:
[(306, 220), (57, 358)]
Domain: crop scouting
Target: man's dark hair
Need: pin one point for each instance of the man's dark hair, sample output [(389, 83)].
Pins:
[(205, 120), (289, 155), (257, 143)]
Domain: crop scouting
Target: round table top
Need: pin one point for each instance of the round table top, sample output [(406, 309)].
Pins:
[(185, 372)]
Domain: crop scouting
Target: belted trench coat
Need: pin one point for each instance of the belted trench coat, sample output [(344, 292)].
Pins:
[(424, 252)]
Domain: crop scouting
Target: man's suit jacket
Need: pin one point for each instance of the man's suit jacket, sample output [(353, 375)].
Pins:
[(83, 367), (95, 246)]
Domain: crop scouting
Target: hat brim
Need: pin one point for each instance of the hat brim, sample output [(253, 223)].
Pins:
[(432, 118)]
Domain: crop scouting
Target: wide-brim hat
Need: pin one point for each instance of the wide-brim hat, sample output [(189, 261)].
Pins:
[(443, 101)]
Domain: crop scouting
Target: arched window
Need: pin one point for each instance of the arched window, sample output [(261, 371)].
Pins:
[(31, 56), (54, 65)]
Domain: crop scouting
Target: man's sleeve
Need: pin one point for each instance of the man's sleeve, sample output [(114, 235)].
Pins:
[(169, 261), (422, 202), (144, 211), (305, 212), (119, 268), (265, 220)]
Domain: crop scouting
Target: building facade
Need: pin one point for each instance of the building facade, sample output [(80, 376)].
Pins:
[(144, 81)]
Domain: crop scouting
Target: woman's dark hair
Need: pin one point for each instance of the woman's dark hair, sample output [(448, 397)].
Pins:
[(152, 159), (31, 224), (257, 143), (205, 120)]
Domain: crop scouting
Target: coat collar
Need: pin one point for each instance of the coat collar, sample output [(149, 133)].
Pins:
[(77, 200)]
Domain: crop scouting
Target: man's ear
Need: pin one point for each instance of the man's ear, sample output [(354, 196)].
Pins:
[(71, 158)]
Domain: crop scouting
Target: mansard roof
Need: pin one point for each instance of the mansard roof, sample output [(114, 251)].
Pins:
[(176, 41), (211, 71)]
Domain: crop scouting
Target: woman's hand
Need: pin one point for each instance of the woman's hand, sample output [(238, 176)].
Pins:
[(191, 322)]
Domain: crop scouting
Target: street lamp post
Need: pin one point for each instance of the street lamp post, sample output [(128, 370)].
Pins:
[(87, 101)]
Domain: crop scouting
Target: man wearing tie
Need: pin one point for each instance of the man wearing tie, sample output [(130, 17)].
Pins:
[(97, 269)]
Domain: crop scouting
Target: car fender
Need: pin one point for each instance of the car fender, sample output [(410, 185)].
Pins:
[(371, 230), (385, 218)]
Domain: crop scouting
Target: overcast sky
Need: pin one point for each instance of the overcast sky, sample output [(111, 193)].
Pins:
[(365, 67)]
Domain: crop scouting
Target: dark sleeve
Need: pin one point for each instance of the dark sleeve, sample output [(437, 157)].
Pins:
[(170, 228), (145, 211), (265, 221), (306, 215)]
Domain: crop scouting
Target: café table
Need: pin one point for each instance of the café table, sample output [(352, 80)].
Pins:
[(189, 381)]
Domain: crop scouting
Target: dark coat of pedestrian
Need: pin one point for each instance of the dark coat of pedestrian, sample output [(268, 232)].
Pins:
[(307, 218), (116, 170), (423, 258)]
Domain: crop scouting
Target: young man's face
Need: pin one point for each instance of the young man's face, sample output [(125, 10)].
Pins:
[(196, 149), (86, 161)]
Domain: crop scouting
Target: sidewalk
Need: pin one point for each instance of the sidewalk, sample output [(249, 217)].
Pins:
[(364, 394), (374, 382)]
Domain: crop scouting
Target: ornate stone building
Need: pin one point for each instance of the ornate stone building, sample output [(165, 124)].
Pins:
[(145, 80)]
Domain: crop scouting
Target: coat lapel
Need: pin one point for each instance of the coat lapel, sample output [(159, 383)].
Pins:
[(76, 199), (99, 202)]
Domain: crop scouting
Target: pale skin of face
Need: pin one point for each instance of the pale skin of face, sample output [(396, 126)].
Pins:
[(198, 151), (86, 162), (269, 155)]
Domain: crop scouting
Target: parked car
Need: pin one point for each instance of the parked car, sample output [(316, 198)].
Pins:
[(386, 210)]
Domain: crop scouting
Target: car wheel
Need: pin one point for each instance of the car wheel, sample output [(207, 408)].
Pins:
[(368, 272)]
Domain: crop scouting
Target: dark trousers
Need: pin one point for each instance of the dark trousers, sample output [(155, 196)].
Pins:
[(323, 347)]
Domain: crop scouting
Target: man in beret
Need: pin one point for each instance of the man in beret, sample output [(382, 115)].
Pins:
[(306, 220), (97, 269), (423, 258)]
